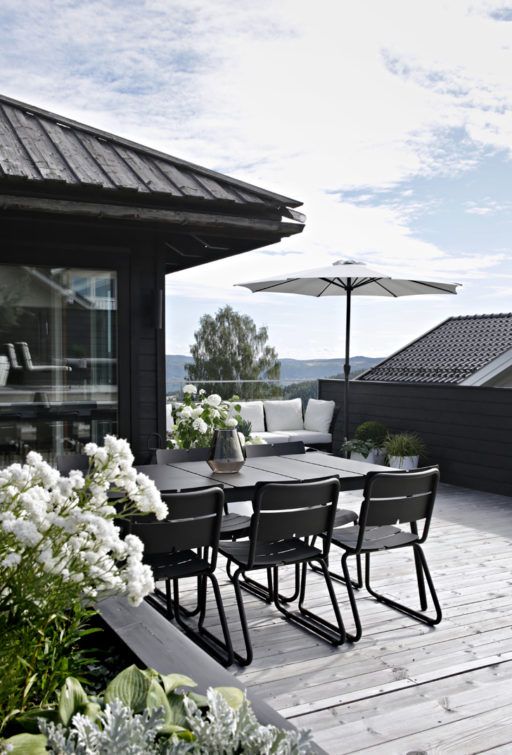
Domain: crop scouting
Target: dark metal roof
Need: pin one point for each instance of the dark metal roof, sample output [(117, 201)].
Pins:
[(48, 150), (450, 353)]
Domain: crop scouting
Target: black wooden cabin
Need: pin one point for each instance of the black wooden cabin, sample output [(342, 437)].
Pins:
[(90, 225)]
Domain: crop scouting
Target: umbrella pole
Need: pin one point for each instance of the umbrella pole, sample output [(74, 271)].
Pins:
[(346, 366)]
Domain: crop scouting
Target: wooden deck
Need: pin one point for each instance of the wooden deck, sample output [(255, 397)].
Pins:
[(405, 687)]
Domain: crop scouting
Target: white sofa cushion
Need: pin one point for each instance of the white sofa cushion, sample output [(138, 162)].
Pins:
[(274, 437), (284, 415), (309, 436), (318, 415), (252, 411)]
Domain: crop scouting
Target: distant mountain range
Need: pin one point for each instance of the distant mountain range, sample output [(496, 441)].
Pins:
[(291, 369)]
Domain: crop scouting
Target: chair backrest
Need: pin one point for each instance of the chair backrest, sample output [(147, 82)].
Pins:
[(274, 449), (24, 352), (66, 462), (194, 521), (12, 357), (283, 510), (170, 455), (399, 497)]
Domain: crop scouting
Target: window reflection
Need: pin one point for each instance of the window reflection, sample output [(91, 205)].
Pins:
[(58, 359)]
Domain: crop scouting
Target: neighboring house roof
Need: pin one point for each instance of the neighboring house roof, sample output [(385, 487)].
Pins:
[(462, 350), (50, 151)]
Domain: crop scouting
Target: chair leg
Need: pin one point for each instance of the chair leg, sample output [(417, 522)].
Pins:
[(247, 659), (333, 633), (188, 612), (221, 650), (265, 592), (340, 577), (423, 570), (352, 598)]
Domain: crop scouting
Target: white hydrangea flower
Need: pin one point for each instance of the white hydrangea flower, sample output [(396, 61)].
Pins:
[(185, 412), (190, 389), (197, 411), (213, 400), (231, 422), (200, 425)]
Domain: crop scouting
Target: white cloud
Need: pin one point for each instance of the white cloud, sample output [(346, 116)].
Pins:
[(300, 97)]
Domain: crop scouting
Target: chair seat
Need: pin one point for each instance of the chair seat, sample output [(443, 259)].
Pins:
[(176, 565), (375, 539), (234, 525), (267, 554), (344, 516)]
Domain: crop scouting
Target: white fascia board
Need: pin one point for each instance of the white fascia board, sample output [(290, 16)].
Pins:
[(491, 370)]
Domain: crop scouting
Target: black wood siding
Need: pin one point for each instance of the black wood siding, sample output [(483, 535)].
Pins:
[(137, 257), (467, 430)]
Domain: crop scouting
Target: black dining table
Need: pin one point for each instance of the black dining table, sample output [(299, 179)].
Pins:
[(239, 486)]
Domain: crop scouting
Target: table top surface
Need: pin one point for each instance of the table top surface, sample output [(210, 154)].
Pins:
[(184, 475)]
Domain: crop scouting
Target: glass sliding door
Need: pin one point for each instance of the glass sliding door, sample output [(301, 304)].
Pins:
[(58, 359)]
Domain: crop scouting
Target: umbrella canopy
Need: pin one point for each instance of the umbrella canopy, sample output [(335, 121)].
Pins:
[(347, 278)]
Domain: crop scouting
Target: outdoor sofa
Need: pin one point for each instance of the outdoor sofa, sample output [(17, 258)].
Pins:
[(284, 421)]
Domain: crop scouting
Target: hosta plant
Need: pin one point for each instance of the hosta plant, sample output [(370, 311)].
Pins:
[(142, 712)]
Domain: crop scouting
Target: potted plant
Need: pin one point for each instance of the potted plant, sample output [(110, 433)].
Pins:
[(357, 450), (373, 434), (403, 450)]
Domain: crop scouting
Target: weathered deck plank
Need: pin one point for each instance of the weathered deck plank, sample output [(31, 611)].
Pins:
[(405, 687)]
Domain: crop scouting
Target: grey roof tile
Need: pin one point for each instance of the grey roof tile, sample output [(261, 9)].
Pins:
[(449, 353)]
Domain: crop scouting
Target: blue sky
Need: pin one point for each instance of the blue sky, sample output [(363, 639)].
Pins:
[(392, 122)]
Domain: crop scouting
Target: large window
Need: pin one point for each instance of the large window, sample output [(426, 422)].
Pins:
[(58, 359)]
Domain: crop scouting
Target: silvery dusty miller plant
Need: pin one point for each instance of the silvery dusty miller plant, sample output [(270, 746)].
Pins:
[(60, 551), (223, 730)]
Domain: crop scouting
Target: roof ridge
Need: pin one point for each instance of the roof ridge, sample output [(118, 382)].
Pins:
[(484, 315), (77, 125)]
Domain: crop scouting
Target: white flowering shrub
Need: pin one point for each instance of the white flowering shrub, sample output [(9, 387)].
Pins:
[(199, 415), (60, 551)]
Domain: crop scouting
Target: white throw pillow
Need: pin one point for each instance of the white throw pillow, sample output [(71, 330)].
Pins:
[(284, 415), (252, 411), (318, 415)]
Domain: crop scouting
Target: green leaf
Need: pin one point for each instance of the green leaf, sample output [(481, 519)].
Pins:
[(131, 687), (92, 711), (180, 732), (28, 720), (178, 711), (27, 744), (173, 681), (150, 673), (156, 698), (200, 700), (232, 695), (72, 698)]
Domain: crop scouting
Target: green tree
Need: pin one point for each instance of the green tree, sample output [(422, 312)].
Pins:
[(230, 347)]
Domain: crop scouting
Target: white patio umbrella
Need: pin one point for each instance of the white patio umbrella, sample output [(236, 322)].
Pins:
[(347, 278)]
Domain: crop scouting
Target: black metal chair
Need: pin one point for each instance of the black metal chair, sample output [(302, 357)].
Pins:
[(391, 498), (233, 525), (234, 532), (193, 524), (285, 516)]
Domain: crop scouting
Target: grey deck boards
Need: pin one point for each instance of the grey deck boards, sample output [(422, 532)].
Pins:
[(404, 687)]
